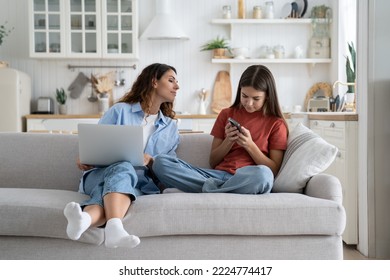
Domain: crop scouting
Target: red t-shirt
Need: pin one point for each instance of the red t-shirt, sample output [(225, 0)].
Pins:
[(268, 133)]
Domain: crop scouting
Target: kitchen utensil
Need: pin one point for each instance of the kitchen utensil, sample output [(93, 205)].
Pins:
[(92, 97), (294, 10), (117, 82), (337, 103), (286, 10), (120, 82), (302, 7), (222, 94)]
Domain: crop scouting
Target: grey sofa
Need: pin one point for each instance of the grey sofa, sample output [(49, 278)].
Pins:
[(38, 177)]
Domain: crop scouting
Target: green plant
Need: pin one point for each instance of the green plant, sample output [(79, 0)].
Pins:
[(61, 96), (218, 43), (350, 66), (4, 32)]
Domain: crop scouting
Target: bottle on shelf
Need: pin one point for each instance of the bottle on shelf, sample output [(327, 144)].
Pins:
[(269, 9), (241, 9)]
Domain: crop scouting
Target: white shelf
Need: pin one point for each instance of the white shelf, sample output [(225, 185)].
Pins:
[(274, 60), (262, 21)]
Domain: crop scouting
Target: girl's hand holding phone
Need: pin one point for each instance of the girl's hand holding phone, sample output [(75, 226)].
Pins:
[(244, 138)]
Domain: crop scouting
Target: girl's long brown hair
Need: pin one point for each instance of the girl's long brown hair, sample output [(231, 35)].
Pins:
[(143, 87), (260, 78)]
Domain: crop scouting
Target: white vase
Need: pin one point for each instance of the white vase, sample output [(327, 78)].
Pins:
[(202, 107), (349, 97), (62, 109), (103, 103)]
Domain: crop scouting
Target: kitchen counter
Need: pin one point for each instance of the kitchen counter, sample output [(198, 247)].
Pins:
[(97, 116), (55, 116), (333, 116)]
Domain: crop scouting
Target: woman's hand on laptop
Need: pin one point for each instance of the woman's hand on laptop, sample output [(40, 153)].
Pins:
[(83, 167)]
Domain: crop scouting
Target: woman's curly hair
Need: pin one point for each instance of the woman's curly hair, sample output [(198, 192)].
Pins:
[(143, 86)]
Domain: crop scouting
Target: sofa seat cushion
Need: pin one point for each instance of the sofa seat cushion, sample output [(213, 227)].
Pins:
[(36, 212), (234, 214), (39, 212)]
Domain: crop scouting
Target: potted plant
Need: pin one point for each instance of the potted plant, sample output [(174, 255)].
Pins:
[(4, 32), (61, 99), (217, 45), (350, 67)]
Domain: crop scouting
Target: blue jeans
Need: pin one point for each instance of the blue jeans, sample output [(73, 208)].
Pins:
[(119, 177), (176, 173)]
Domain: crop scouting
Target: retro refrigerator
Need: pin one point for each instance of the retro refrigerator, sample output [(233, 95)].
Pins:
[(15, 99)]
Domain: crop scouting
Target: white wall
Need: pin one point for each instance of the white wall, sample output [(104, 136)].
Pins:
[(195, 71)]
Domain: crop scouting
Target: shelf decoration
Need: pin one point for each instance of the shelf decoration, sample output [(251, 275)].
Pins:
[(104, 84), (320, 41), (218, 45)]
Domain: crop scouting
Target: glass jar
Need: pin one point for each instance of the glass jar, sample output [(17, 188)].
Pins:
[(279, 51), (269, 9), (257, 12), (226, 12)]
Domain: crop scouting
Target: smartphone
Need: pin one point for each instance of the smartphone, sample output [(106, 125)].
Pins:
[(235, 123)]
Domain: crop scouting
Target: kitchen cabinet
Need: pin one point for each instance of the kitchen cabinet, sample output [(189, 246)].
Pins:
[(344, 135), (289, 33), (58, 123), (293, 119), (83, 29), (68, 123), (198, 123)]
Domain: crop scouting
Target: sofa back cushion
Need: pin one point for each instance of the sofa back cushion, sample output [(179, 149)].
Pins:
[(195, 148), (48, 161), (39, 160)]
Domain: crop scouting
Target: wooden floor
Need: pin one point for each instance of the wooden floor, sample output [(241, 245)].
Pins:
[(351, 253)]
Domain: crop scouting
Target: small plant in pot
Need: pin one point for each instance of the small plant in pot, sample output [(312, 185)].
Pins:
[(350, 67), (218, 46), (61, 99), (4, 32)]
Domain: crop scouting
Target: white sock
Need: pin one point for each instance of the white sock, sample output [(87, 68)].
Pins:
[(117, 236), (78, 221)]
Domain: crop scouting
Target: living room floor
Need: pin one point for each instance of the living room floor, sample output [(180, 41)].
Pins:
[(351, 253)]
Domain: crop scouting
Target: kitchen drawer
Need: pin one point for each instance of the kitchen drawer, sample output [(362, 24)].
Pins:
[(332, 131), (327, 124), (335, 136), (64, 125)]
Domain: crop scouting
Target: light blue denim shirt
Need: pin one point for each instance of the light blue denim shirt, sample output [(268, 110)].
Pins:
[(164, 139)]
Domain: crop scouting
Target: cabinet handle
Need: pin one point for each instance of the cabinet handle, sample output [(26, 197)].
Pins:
[(315, 123), (332, 125), (338, 154)]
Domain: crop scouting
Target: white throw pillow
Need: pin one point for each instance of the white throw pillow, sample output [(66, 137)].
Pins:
[(307, 154)]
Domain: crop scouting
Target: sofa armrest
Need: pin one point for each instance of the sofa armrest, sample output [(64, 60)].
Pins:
[(325, 186)]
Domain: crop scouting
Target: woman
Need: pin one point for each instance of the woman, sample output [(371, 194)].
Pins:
[(244, 158), (112, 189)]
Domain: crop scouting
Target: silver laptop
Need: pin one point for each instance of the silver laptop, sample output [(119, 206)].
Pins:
[(102, 144)]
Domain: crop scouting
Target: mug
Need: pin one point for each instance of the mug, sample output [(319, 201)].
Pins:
[(298, 52), (297, 108)]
